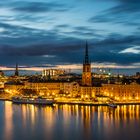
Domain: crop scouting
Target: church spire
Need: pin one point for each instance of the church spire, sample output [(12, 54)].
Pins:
[(86, 54), (86, 75), (16, 70)]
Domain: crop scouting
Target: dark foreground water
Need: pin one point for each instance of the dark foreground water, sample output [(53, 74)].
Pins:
[(65, 122)]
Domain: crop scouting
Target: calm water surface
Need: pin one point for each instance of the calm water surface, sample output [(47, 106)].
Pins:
[(65, 122)]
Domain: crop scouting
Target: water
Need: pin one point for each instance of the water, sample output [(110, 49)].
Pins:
[(68, 122)]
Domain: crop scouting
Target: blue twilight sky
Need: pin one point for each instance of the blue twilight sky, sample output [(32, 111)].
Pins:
[(54, 32)]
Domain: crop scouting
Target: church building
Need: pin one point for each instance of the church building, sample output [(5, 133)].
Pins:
[(86, 86)]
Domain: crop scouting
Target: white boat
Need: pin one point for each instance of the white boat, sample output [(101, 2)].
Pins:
[(112, 105), (30, 100)]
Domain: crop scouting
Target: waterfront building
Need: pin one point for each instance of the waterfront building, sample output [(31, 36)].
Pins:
[(44, 88), (118, 92), (13, 87), (72, 89), (54, 88), (86, 89), (121, 92)]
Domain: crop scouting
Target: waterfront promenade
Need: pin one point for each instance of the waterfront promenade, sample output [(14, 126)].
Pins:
[(78, 101)]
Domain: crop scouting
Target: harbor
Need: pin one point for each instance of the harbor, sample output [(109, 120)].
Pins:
[(72, 101)]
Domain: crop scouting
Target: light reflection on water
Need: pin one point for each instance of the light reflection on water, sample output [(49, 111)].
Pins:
[(68, 122)]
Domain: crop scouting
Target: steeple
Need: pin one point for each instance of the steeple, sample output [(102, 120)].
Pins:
[(16, 70), (86, 75), (86, 61)]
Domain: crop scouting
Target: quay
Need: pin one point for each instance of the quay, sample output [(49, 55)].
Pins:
[(83, 103)]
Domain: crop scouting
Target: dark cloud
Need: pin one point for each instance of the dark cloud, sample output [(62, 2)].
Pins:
[(38, 33), (72, 51), (126, 8), (126, 12), (63, 26), (40, 54), (82, 33), (107, 50), (39, 7), (86, 29), (129, 1), (116, 39), (14, 27), (22, 36)]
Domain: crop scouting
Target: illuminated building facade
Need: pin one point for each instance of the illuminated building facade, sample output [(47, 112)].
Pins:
[(52, 73), (117, 91), (121, 92)]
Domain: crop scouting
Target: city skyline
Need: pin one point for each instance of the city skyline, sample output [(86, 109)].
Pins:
[(53, 33), (70, 69)]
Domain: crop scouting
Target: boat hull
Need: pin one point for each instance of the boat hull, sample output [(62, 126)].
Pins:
[(36, 101)]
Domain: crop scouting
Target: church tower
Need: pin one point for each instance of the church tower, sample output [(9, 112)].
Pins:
[(16, 70), (86, 75)]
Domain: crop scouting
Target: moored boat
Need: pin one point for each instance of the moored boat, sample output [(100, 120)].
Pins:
[(31, 100)]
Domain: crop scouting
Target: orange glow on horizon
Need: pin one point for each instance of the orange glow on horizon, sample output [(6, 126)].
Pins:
[(73, 66)]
